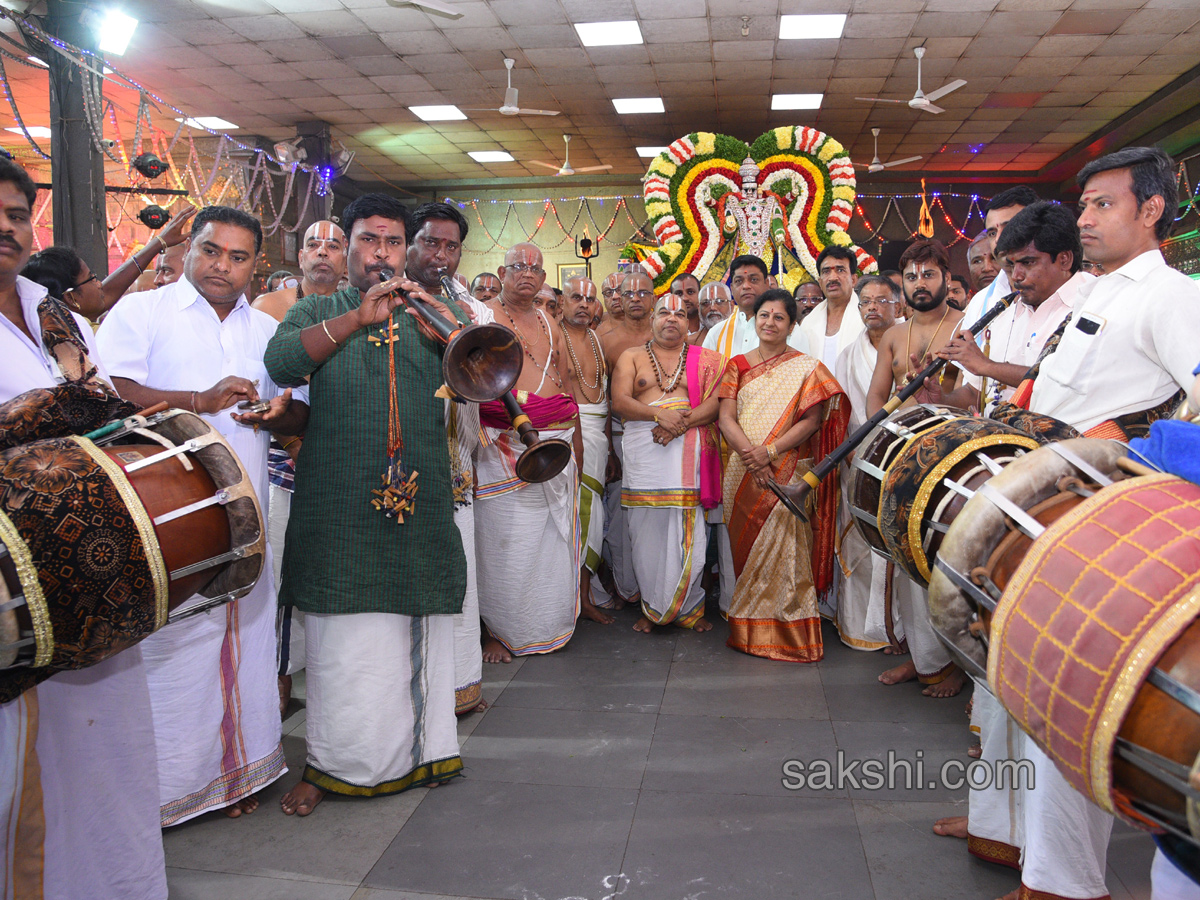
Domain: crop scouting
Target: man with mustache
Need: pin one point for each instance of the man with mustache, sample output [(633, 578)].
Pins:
[(610, 298), (748, 278), (525, 539), (322, 263), (83, 817), (716, 305), (1001, 209), (808, 297), (834, 324), (687, 288), (960, 292), (379, 584), (860, 617), (666, 393), (980, 261), (635, 294), (589, 386), (436, 233), (168, 346), (905, 350), (485, 286)]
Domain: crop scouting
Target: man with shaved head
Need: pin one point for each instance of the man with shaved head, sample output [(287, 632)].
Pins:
[(716, 305), (525, 541), (322, 264), (666, 392), (485, 286), (635, 296), (589, 385), (610, 297)]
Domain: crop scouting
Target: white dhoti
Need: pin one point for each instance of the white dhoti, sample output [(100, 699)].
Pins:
[(526, 548), (592, 419), (380, 702), (995, 814), (616, 539), (1168, 882), (78, 794), (462, 436), (290, 623), (214, 691), (661, 496), (861, 616), (929, 655), (1066, 835)]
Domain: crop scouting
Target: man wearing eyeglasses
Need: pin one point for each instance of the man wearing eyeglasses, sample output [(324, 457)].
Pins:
[(861, 619), (610, 295)]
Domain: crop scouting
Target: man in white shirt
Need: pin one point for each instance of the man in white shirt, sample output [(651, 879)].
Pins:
[(198, 345), (1001, 210), (1130, 349), (736, 335), (79, 797), (1041, 243), (835, 324)]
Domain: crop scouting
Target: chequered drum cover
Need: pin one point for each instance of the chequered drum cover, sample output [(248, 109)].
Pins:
[(1098, 598)]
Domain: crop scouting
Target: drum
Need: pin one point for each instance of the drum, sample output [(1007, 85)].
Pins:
[(995, 528), (878, 452), (102, 542), (1092, 643)]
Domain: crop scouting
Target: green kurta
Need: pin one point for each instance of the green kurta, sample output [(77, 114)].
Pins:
[(341, 554)]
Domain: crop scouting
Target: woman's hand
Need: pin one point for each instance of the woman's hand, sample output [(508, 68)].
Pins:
[(755, 458)]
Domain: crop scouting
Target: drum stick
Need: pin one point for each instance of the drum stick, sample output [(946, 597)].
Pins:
[(155, 408), (794, 496), (1133, 467)]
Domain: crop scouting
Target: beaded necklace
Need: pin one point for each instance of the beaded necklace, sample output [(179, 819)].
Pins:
[(525, 342), (601, 367), (659, 374)]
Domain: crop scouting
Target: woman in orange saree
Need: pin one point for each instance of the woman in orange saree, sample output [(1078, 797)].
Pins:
[(781, 412)]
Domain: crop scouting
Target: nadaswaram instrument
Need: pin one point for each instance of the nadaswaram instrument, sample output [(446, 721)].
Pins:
[(541, 459)]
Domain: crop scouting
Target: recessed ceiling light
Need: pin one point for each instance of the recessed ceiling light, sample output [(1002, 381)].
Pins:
[(811, 28), (796, 101), (628, 105), (486, 156), (437, 113), (213, 123), (115, 30), (609, 34), (650, 151), (34, 131)]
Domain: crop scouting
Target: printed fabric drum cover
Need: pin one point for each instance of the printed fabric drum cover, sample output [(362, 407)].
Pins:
[(1098, 598)]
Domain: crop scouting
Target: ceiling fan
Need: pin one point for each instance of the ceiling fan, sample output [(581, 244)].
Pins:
[(876, 165), (510, 107), (566, 169), (921, 100), (430, 6)]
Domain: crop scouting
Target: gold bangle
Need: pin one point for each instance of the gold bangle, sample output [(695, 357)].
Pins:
[(161, 243), (772, 452), (325, 328), (289, 443)]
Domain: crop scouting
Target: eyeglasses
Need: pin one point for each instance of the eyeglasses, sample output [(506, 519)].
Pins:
[(92, 277), (608, 292), (863, 304), (641, 295), (518, 268)]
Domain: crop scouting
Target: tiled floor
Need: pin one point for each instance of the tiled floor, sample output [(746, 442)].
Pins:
[(641, 768)]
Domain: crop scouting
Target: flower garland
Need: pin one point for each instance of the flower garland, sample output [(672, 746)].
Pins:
[(807, 172)]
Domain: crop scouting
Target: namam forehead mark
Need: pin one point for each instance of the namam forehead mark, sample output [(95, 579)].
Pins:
[(523, 253), (577, 284), (670, 304), (718, 290), (324, 230)]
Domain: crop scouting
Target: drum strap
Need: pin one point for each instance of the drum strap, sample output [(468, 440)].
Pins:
[(66, 345)]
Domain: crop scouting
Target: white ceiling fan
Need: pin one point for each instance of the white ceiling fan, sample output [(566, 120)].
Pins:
[(510, 107), (921, 100), (876, 165), (430, 6), (566, 169)]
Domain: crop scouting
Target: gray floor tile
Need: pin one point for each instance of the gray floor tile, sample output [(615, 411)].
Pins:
[(367, 893), (706, 646), (268, 843), (188, 884), (745, 687), (619, 641), (1130, 853), (562, 681), (709, 754), (467, 724), (697, 845), (875, 702), (894, 835), (924, 747), (522, 841), (558, 746), (294, 724)]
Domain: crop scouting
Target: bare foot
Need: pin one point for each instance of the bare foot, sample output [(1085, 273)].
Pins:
[(954, 826), (495, 652), (589, 610), (948, 686), (702, 624), (478, 707), (900, 674), (246, 805), (643, 625), (285, 693), (301, 800), (975, 751), (891, 650)]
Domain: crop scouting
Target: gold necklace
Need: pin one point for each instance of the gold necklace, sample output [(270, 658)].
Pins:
[(584, 387), (908, 372)]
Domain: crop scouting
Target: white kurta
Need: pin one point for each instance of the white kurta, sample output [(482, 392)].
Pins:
[(813, 327), (1144, 320), (89, 732), (1018, 334), (213, 681)]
